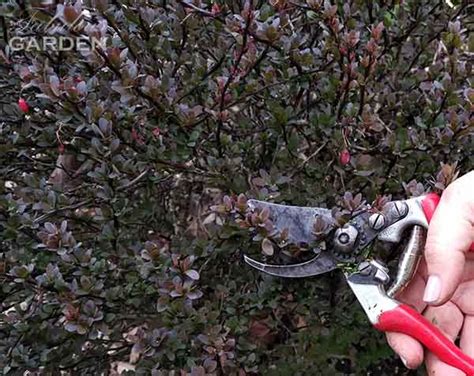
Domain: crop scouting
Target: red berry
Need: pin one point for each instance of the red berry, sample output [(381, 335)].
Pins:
[(344, 157), (134, 134), (138, 138), (61, 148), (216, 9), (23, 105), (156, 131)]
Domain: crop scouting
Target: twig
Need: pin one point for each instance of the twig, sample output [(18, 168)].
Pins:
[(64, 208), (242, 52), (197, 9), (132, 182), (306, 160)]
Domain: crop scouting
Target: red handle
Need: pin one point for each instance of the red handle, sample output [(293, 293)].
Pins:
[(404, 319), (429, 204)]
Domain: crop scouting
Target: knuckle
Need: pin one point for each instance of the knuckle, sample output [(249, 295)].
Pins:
[(435, 251), (455, 191), (462, 187), (442, 250), (460, 193), (470, 176)]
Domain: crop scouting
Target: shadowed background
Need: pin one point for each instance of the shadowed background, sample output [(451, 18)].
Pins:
[(114, 254)]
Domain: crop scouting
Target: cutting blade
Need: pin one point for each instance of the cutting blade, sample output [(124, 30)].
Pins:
[(320, 264), (297, 219)]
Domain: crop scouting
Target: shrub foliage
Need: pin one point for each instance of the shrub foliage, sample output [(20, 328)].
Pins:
[(115, 253)]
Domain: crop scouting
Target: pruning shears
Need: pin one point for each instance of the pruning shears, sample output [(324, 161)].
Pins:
[(370, 280)]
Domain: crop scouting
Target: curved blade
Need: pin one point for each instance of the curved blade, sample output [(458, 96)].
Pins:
[(318, 265), (298, 220)]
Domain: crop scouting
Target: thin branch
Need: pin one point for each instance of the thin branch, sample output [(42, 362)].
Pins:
[(132, 182), (307, 159), (59, 210), (231, 77)]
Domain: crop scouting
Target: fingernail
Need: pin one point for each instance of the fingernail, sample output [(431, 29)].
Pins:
[(404, 361), (432, 289)]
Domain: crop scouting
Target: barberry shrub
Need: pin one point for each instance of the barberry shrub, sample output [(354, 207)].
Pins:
[(116, 250)]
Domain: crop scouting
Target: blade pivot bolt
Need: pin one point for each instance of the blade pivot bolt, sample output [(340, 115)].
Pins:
[(344, 238), (377, 221)]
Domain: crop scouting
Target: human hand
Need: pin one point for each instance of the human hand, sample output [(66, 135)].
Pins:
[(443, 287)]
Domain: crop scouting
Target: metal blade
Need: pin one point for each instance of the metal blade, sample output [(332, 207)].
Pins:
[(297, 219), (318, 265)]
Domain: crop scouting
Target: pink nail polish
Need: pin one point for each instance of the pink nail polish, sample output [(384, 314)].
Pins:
[(432, 289)]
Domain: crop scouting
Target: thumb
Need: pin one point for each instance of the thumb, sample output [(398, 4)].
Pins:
[(450, 235)]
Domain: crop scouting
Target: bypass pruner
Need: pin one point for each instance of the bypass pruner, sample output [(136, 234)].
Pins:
[(370, 281)]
